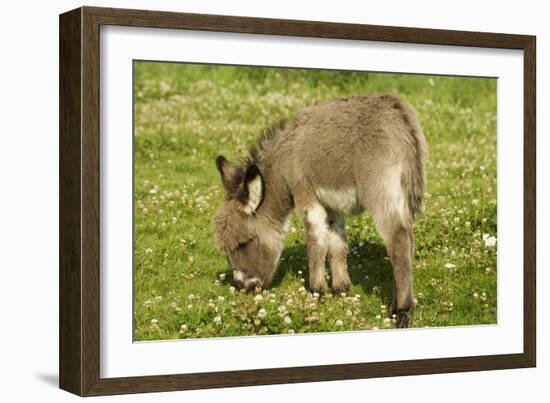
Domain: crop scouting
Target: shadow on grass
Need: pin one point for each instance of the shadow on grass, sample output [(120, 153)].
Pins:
[(368, 267)]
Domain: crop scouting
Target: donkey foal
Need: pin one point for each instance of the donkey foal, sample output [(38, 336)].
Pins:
[(330, 160)]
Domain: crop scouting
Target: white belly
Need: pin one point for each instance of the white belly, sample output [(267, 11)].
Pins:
[(342, 200)]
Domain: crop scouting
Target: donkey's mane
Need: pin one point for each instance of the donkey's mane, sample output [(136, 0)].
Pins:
[(264, 141)]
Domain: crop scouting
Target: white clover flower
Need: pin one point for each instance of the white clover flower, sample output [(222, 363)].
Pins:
[(490, 242), (148, 250), (449, 266), (191, 296), (261, 313), (222, 276), (339, 322), (218, 320), (154, 321), (387, 321), (288, 320), (349, 313), (221, 298), (378, 317), (183, 328), (258, 298), (282, 309)]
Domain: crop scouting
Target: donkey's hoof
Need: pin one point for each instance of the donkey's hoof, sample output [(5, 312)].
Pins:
[(340, 288), (320, 288), (403, 318)]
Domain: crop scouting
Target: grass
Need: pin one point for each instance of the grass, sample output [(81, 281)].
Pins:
[(185, 115)]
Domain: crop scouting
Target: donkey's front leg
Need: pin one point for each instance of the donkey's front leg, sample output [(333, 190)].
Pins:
[(316, 234), (338, 253)]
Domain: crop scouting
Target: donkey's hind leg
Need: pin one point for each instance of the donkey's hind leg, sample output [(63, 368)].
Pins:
[(338, 253), (395, 228)]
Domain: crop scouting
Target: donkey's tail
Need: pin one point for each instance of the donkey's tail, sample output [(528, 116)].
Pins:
[(416, 182)]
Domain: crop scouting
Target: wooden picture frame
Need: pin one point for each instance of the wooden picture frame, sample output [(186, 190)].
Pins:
[(79, 346)]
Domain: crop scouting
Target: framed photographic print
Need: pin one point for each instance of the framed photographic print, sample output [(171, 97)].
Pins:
[(249, 201)]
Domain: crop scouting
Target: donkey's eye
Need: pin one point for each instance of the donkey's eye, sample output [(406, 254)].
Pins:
[(241, 246)]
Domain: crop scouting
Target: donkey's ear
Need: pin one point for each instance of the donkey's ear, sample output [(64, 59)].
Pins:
[(231, 175), (252, 192)]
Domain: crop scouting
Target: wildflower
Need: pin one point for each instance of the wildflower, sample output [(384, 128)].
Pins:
[(338, 322), (378, 317), (490, 241), (262, 313), (258, 298), (349, 313), (154, 321), (290, 331), (288, 320), (148, 250), (449, 266), (183, 328), (218, 320), (221, 298), (222, 276)]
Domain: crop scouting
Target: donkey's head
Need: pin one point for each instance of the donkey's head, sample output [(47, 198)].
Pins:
[(246, 236)]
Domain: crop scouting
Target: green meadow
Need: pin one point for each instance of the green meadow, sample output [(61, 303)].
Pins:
[(186, 115)]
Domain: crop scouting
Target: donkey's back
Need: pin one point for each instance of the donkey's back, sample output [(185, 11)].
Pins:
[(356, 152)]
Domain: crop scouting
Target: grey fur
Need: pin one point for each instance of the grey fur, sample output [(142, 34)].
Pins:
[(331, 159)]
